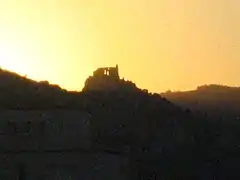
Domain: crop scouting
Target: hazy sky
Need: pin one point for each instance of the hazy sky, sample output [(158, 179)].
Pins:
[(158, 44)]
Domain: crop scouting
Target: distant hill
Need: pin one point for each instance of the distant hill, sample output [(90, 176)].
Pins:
[(211, 99)]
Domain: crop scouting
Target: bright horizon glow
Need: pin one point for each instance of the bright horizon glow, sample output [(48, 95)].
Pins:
[(159, 45)]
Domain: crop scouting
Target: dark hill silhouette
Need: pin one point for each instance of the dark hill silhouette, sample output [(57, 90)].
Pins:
[(158, 137), (217, 100), (18, 92)]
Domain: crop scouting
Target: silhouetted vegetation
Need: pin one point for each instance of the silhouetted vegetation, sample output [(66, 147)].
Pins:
[(162, 140)]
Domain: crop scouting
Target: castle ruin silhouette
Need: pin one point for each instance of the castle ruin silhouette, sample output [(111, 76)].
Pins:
[(105, 78), (111, 72)]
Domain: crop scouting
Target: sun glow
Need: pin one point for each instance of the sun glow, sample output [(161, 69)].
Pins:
[(27, 55), (159, 45), (12, 56), (48, 41)]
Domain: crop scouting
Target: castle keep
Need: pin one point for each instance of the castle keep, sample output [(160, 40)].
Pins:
[(111, 72), (106, 78)]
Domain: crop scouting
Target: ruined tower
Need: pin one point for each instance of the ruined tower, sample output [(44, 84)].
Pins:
[(111, 72), (105, 78)]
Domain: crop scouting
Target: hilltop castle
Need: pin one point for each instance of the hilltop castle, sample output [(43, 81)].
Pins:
[(111, 72), (105, 78)]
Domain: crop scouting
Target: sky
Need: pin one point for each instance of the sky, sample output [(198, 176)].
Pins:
[(158, 44)]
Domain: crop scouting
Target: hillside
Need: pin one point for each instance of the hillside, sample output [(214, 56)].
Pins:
[(18, 92), (159, 137), (210, 99)]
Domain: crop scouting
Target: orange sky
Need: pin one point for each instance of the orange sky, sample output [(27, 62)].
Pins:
[(160, 45)]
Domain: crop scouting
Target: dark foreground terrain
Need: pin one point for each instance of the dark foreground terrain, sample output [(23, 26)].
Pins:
[(110, 130)]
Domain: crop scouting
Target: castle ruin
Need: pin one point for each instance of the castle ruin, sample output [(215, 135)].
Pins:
[(105, 78), (111, 72), (108, 79)]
